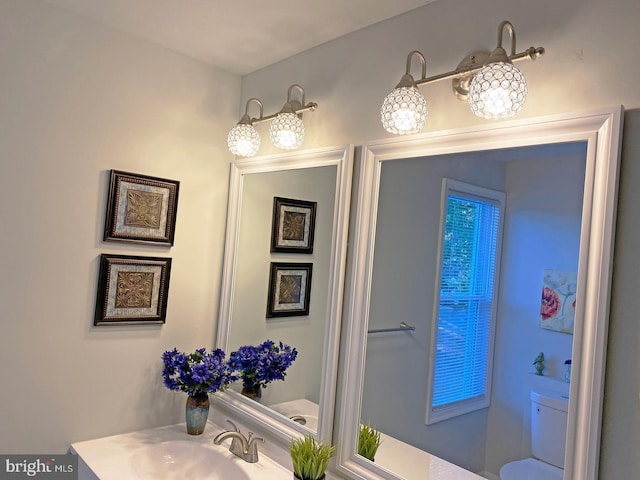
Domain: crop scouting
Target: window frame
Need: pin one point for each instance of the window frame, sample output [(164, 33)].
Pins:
[(469, 405)]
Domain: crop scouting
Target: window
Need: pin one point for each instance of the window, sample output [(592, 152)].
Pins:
[(465, 300)]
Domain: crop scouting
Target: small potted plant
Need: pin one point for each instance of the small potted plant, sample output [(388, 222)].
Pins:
[(260, 365), (310, 458), (368, 441)]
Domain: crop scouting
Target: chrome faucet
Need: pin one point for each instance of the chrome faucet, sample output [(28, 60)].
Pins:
[(299, 419), (243, 447)]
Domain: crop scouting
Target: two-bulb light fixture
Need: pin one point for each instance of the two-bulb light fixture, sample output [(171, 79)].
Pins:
[(286, 130), (489, 82)]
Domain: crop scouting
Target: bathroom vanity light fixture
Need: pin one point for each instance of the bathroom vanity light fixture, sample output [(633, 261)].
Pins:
[(286, 130), (489, 82), (244, 139)]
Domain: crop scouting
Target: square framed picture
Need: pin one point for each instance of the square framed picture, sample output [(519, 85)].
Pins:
[(293, 227), (132, 290), (289, 289), (141, 209)]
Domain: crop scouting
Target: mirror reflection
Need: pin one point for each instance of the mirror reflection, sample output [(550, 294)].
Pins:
[(283, 285), (252, 321), (544, 192), (465, 246)]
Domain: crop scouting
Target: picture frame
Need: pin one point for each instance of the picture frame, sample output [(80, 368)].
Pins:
[(289, 289), (141, 209), (132, 290), (293, 225)]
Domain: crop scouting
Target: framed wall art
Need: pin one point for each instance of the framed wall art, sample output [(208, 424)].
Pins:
[(132, 290), (289, 289), (558, 305), (293, 227), (141, 209)]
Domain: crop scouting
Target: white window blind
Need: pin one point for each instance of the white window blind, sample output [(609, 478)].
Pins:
[(471, 230)]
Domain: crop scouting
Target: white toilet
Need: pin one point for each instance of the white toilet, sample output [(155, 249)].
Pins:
[(548, 437)]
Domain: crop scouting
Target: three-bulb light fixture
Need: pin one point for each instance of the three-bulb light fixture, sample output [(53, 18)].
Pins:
[(286, 130), (489, 82)]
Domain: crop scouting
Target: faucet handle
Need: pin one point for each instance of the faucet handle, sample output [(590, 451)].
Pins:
[(252, 447)]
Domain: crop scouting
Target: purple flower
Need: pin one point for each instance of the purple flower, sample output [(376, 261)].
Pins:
[(197, 373), (262, 364)]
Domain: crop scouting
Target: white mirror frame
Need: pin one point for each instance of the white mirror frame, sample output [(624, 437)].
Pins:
[(342, 157), (601, 130)]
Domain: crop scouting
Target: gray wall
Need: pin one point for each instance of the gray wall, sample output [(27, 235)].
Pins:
[(542, 231), (621, 420), (402, 290)]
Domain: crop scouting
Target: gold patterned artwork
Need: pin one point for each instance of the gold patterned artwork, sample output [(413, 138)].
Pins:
[(293, 226), (290, 288), (134, 290), (143, 209)]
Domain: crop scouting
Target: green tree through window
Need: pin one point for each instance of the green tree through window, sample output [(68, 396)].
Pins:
[(465, 316)]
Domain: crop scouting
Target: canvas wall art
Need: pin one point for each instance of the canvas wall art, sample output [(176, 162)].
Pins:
[(558, 306)]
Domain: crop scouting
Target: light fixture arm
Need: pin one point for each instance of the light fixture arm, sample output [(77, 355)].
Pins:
[(246, 119), (289, 101), (532, 53), (407, 79), (473, 63), (512, 35), (292, 106)]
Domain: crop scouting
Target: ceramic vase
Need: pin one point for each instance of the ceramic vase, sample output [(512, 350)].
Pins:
[(197, 412)]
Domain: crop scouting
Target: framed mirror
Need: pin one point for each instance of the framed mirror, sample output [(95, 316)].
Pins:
[(547, 188), (283, 282)]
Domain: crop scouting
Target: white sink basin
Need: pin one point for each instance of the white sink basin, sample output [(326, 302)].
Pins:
[(301, 407), (168, 453), (180, 459)]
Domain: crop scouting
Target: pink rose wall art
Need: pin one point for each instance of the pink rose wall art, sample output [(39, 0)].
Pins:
[(558, 306)]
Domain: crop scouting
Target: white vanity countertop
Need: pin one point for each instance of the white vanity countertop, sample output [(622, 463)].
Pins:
[(118, 457), (412, 463)]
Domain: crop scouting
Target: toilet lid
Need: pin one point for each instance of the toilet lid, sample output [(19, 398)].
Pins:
[(530, 469)]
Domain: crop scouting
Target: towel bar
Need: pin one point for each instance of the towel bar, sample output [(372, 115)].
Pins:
[(403, 327)]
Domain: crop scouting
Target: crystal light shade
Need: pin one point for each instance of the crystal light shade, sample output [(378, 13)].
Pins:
[(243, 140), (404, 111), (287, 131), (497, 91)]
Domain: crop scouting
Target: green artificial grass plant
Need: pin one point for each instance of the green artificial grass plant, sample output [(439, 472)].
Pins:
[(368, 441), (310, 457)]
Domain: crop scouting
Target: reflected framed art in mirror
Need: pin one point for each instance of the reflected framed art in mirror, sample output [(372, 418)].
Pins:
[(260, 303)]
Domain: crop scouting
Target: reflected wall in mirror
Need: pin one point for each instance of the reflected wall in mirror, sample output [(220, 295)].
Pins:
[(559, 176), (304, 400)]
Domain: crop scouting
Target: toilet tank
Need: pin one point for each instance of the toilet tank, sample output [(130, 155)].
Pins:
[(549, 426)]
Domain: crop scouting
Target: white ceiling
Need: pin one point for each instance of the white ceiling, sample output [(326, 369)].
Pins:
[(238, 36)]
